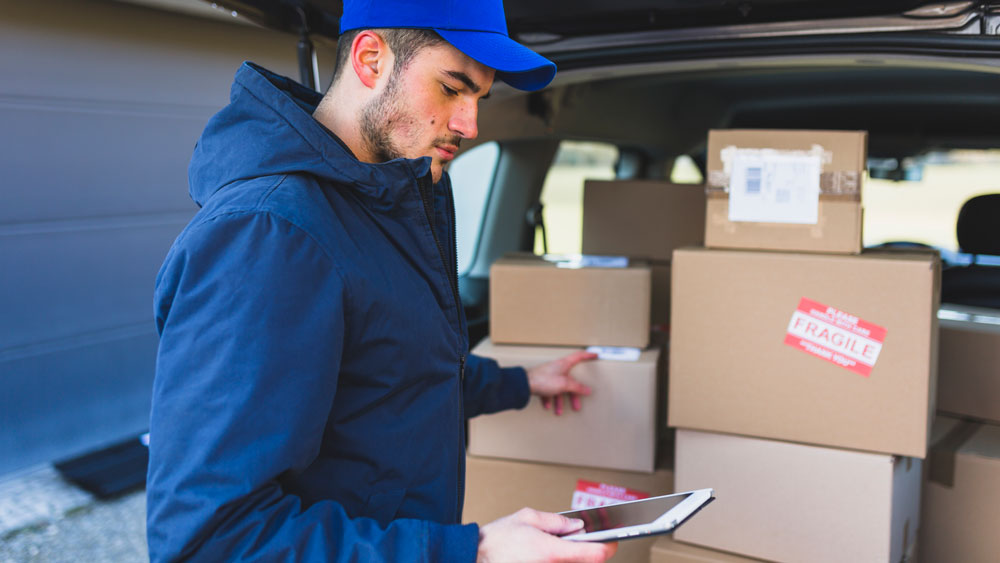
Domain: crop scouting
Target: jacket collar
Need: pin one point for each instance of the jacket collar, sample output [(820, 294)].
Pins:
[(268, 128)]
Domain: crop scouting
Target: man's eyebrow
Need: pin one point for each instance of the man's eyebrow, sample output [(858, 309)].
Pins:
[(464, 78)]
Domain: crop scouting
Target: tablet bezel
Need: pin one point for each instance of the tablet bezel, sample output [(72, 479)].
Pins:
[(665, 523)]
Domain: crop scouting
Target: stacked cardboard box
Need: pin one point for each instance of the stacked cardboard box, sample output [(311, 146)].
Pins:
[(666, 550), (624, 404), (962, 480), (543, 309), (785, 190), (644, 219), (786, 501), (570, 301), (969, 365), (802, 372), (498, 487), (961, 491)]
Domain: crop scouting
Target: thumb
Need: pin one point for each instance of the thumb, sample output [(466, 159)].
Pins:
[(556, 524)]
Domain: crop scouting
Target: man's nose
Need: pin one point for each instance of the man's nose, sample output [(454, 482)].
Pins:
[(463, 121)]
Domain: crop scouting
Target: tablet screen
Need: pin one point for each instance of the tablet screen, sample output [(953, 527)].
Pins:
[(626, 514)]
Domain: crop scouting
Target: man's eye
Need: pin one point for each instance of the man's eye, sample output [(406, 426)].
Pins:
[(449, 91)]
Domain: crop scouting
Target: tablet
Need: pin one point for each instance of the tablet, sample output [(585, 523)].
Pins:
[(638, 518)]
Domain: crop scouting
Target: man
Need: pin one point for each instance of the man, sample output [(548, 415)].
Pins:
[(313, 376)]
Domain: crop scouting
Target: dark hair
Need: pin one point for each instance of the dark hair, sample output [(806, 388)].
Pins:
[(403, 42)]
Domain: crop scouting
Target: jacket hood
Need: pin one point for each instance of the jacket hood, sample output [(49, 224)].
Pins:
[(268, 129)]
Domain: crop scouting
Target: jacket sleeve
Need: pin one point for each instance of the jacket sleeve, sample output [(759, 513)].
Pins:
[(489, 388), (246, 374)]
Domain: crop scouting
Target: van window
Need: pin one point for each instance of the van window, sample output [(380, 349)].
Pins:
[(685, 171), (471, 177), (923, 205), (562, 193)]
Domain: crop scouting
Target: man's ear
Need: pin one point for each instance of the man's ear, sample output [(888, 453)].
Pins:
[(370, 57)]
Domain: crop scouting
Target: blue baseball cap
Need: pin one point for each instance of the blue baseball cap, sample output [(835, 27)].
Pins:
[(477, 28)]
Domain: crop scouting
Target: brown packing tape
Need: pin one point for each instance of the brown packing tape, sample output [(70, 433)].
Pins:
[(943, 454), (839, 183), (721, 193)]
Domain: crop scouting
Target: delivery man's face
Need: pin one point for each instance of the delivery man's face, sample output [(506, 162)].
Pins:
[(428, 107)]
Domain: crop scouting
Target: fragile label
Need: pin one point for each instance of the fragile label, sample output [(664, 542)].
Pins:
[(771, 186), (589, 494), (615, 353), (835, 336)]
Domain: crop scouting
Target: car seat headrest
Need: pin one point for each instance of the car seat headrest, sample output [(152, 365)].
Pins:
[(978, 226)]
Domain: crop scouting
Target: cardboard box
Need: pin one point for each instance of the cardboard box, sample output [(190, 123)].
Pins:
[(617, 428), (537, 301), (495, 488), (659, 314), (961, 502), (666, 550), (642, 218), (773, 345), (804, 193), (969, 366), (837, 230), (793, 502)]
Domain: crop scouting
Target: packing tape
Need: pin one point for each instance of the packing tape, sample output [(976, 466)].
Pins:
[(944, 453), (846, 184)]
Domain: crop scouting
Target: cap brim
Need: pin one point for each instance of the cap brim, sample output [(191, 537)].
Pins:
[(514, 63)]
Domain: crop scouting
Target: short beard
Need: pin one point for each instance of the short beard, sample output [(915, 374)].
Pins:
[(376, 119)]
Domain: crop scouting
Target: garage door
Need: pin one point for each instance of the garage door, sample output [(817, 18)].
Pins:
[(100, 107)]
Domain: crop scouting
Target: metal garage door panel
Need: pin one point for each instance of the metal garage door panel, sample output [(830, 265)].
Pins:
[(71, 283), (94, 394), (101, 105), (105, 162)]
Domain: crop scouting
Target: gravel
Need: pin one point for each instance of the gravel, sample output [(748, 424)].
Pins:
[(45, 519)]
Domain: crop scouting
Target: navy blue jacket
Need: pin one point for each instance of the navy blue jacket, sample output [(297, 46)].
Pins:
[(313, 378)]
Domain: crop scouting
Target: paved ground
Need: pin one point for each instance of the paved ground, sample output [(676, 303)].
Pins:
[(45, 519)]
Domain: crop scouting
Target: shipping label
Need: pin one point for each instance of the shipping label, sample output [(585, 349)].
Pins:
[(772, 186), (615, 353), (589, 494), (835, 336), (577, 261)]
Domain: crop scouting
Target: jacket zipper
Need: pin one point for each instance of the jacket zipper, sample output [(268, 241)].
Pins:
[(453, 275), (423, 188)]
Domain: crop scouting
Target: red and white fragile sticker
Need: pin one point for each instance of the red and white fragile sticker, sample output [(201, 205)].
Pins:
[(835, 336), (589, 494)]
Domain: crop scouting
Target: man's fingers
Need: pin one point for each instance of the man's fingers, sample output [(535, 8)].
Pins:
[(575, 401), (545, 403), (557, 403), (593, 552), (577, 357), (610, 549), (573, 386)]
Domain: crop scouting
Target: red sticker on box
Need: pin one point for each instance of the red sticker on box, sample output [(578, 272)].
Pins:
[(589, 494), (835, 336)]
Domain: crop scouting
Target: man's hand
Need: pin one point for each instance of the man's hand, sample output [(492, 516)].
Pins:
[(530, 535), (550, 380)]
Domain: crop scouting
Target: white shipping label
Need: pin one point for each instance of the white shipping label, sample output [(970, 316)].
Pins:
[(575, 261), (771, 186), (615, 353)]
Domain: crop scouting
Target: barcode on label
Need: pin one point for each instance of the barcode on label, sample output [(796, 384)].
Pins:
[(753, 180)]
